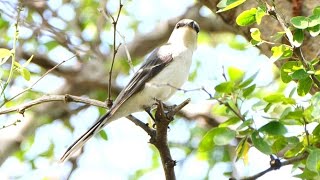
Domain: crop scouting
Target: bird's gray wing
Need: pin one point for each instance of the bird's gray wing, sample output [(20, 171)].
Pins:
[(149, 69)]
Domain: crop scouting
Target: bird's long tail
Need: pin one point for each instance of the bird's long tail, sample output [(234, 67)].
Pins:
[(86, 136)]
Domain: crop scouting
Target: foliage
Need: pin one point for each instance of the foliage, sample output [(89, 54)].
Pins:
[(279, 111)]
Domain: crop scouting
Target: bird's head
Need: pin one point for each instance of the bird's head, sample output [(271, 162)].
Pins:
[(185, 32)]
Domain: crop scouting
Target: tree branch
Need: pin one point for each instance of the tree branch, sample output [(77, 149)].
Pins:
[(51, 98)]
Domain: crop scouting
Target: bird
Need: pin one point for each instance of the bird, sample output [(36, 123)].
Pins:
[(164, 71)]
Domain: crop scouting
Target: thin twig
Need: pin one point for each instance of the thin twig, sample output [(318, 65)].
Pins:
[(271, 168), (115, 50), (51, 98), (32, 85)]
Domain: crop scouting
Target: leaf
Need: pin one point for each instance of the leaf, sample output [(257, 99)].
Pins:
[(316, 10), (286, 69), (4, 55), (216, 136), (25, 73), (246, 123), (300, 22), (304, 86), (259, 15), (298, 37), (274, 98), (281, 52), (103, 135), (230, 4), (249, 90), (260, 143), (247, 17), (314, 20), (235, 74), (279, 144), (300, 74), (225, 87), (273, 128), (314, 31), (255, 34), (242, 148), (249, 80), (313, 160), (230, 121), (28, 61)]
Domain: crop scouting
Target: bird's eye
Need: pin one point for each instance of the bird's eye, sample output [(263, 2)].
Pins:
[(178, 26)]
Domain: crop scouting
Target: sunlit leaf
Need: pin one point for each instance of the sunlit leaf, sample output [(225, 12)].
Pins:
[(230, 121), (25, 73), (225, 87), (286, 69), (216, 136), (281, 52), (229, 4), (235, 74), (247, 17), (242, 149), (256, 34), (259, 15), (103, 135), (249, 80), (4, 55)]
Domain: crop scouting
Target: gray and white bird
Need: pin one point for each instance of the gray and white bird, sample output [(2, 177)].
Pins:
[(165, 70)]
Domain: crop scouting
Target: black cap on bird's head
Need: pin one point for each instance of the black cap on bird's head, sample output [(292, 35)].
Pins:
[(188, 23)]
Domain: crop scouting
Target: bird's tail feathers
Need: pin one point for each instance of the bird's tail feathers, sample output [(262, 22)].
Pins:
[(86, 136)]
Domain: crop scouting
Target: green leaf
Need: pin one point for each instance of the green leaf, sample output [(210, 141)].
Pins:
[(286, 69), (314, 31), (315, 101), (242, 148), (313, 161), (223, 136), (247, 17), (316, 10), (225, 87), (300, 22), (314, 20), (28, 61), (230, 4), (235, 74), (255, 34), (4, 55), (216, 136), (298, 37), (230, 121), (298, 148), (281, 52), (274, 128), (279, 144), (51, 44), (304, 86), (25, 74), (259, 15), (245, 124), (103, 135), (249, 90), (249, 80), (260, 143), (300, 74), (274, 98)]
